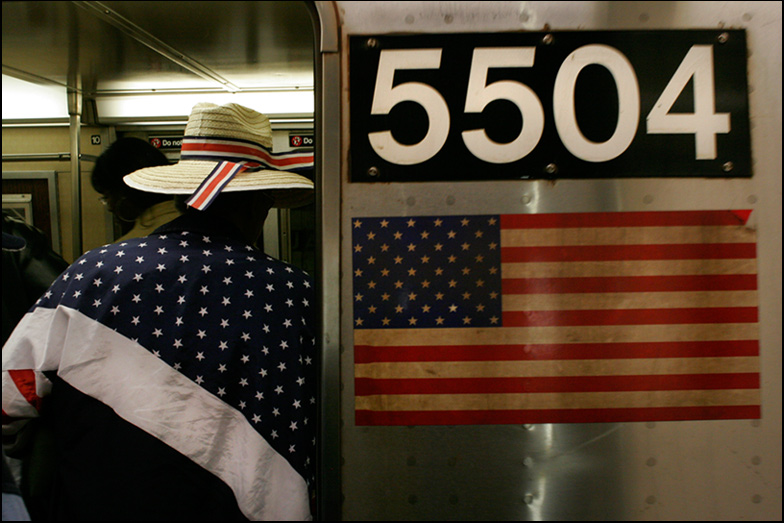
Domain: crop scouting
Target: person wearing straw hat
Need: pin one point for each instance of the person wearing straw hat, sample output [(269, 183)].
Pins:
[(179, 369)]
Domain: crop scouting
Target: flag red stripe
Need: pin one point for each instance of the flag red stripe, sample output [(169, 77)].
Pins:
[(566, 351), (25, 382), (516, 417), (519, 385), (605, 284), (624, 219), (667, 251), (630, 317)]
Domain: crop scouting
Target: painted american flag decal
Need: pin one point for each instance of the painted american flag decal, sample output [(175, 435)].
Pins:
[(555, 318)]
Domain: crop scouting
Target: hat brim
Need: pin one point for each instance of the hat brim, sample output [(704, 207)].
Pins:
[(287, 188)]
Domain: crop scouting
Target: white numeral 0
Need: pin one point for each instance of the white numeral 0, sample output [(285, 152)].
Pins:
[(480, 95), (385, 97), (628, 103)]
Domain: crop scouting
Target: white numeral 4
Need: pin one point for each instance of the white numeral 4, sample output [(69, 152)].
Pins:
[(704, 123)]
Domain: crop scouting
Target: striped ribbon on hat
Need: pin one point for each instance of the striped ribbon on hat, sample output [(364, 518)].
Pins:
[(234, 155)]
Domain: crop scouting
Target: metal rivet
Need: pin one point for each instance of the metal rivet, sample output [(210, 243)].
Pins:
[(526, 199), (528, 462), (647, 198), (551, 168), (651, 462), (450, 200), (412, 499), (728, 166), (752, 198), (547, 39), (528, 426), (528, 499), (756, 460), (448, 19), (723, 37), (756, 498), (371, 43), (410, 201), (373, 171), (650, 500)]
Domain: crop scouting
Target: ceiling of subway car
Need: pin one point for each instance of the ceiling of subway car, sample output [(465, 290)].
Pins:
[(116, 48)]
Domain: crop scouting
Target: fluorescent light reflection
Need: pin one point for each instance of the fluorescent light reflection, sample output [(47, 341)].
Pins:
[(28, 101), (161, 105)]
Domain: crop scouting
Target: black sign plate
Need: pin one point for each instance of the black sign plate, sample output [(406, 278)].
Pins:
[(510, 106)]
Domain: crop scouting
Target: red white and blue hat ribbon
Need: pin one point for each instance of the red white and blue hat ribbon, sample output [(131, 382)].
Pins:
[(235, 155)]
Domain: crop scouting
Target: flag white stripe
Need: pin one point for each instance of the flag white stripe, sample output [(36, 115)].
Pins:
[(625, 236), (580, 334), (627, 268), (558, 368), (628, 300), (559, 400), (164, 403)]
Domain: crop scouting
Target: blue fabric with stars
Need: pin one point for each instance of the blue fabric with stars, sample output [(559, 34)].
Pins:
[(235, 321), (426, 272)]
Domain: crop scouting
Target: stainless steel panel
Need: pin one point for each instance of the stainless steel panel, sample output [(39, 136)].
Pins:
[(655, 470), (328, 159)]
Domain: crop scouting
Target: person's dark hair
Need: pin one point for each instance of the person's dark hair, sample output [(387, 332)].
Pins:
[(123, 157)]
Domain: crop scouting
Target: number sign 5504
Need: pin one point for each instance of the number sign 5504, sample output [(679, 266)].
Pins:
[(704, 122)]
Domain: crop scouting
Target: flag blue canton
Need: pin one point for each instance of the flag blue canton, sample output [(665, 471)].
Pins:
[(426, 272), (233, 320)]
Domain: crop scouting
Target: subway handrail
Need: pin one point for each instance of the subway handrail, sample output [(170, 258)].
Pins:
[(46, 157)]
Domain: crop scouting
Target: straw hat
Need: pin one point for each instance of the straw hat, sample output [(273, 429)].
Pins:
[(228, 148)]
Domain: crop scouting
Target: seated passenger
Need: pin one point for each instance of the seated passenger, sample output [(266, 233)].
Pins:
[(147, 211)]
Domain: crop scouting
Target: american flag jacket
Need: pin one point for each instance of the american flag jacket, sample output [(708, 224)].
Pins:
[(193, 337)]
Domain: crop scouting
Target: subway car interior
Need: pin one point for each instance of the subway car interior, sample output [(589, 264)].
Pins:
[(621, 361), (108, 70)]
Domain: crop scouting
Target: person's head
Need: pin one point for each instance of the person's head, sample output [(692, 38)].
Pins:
[(123, 157), (227, 149)]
